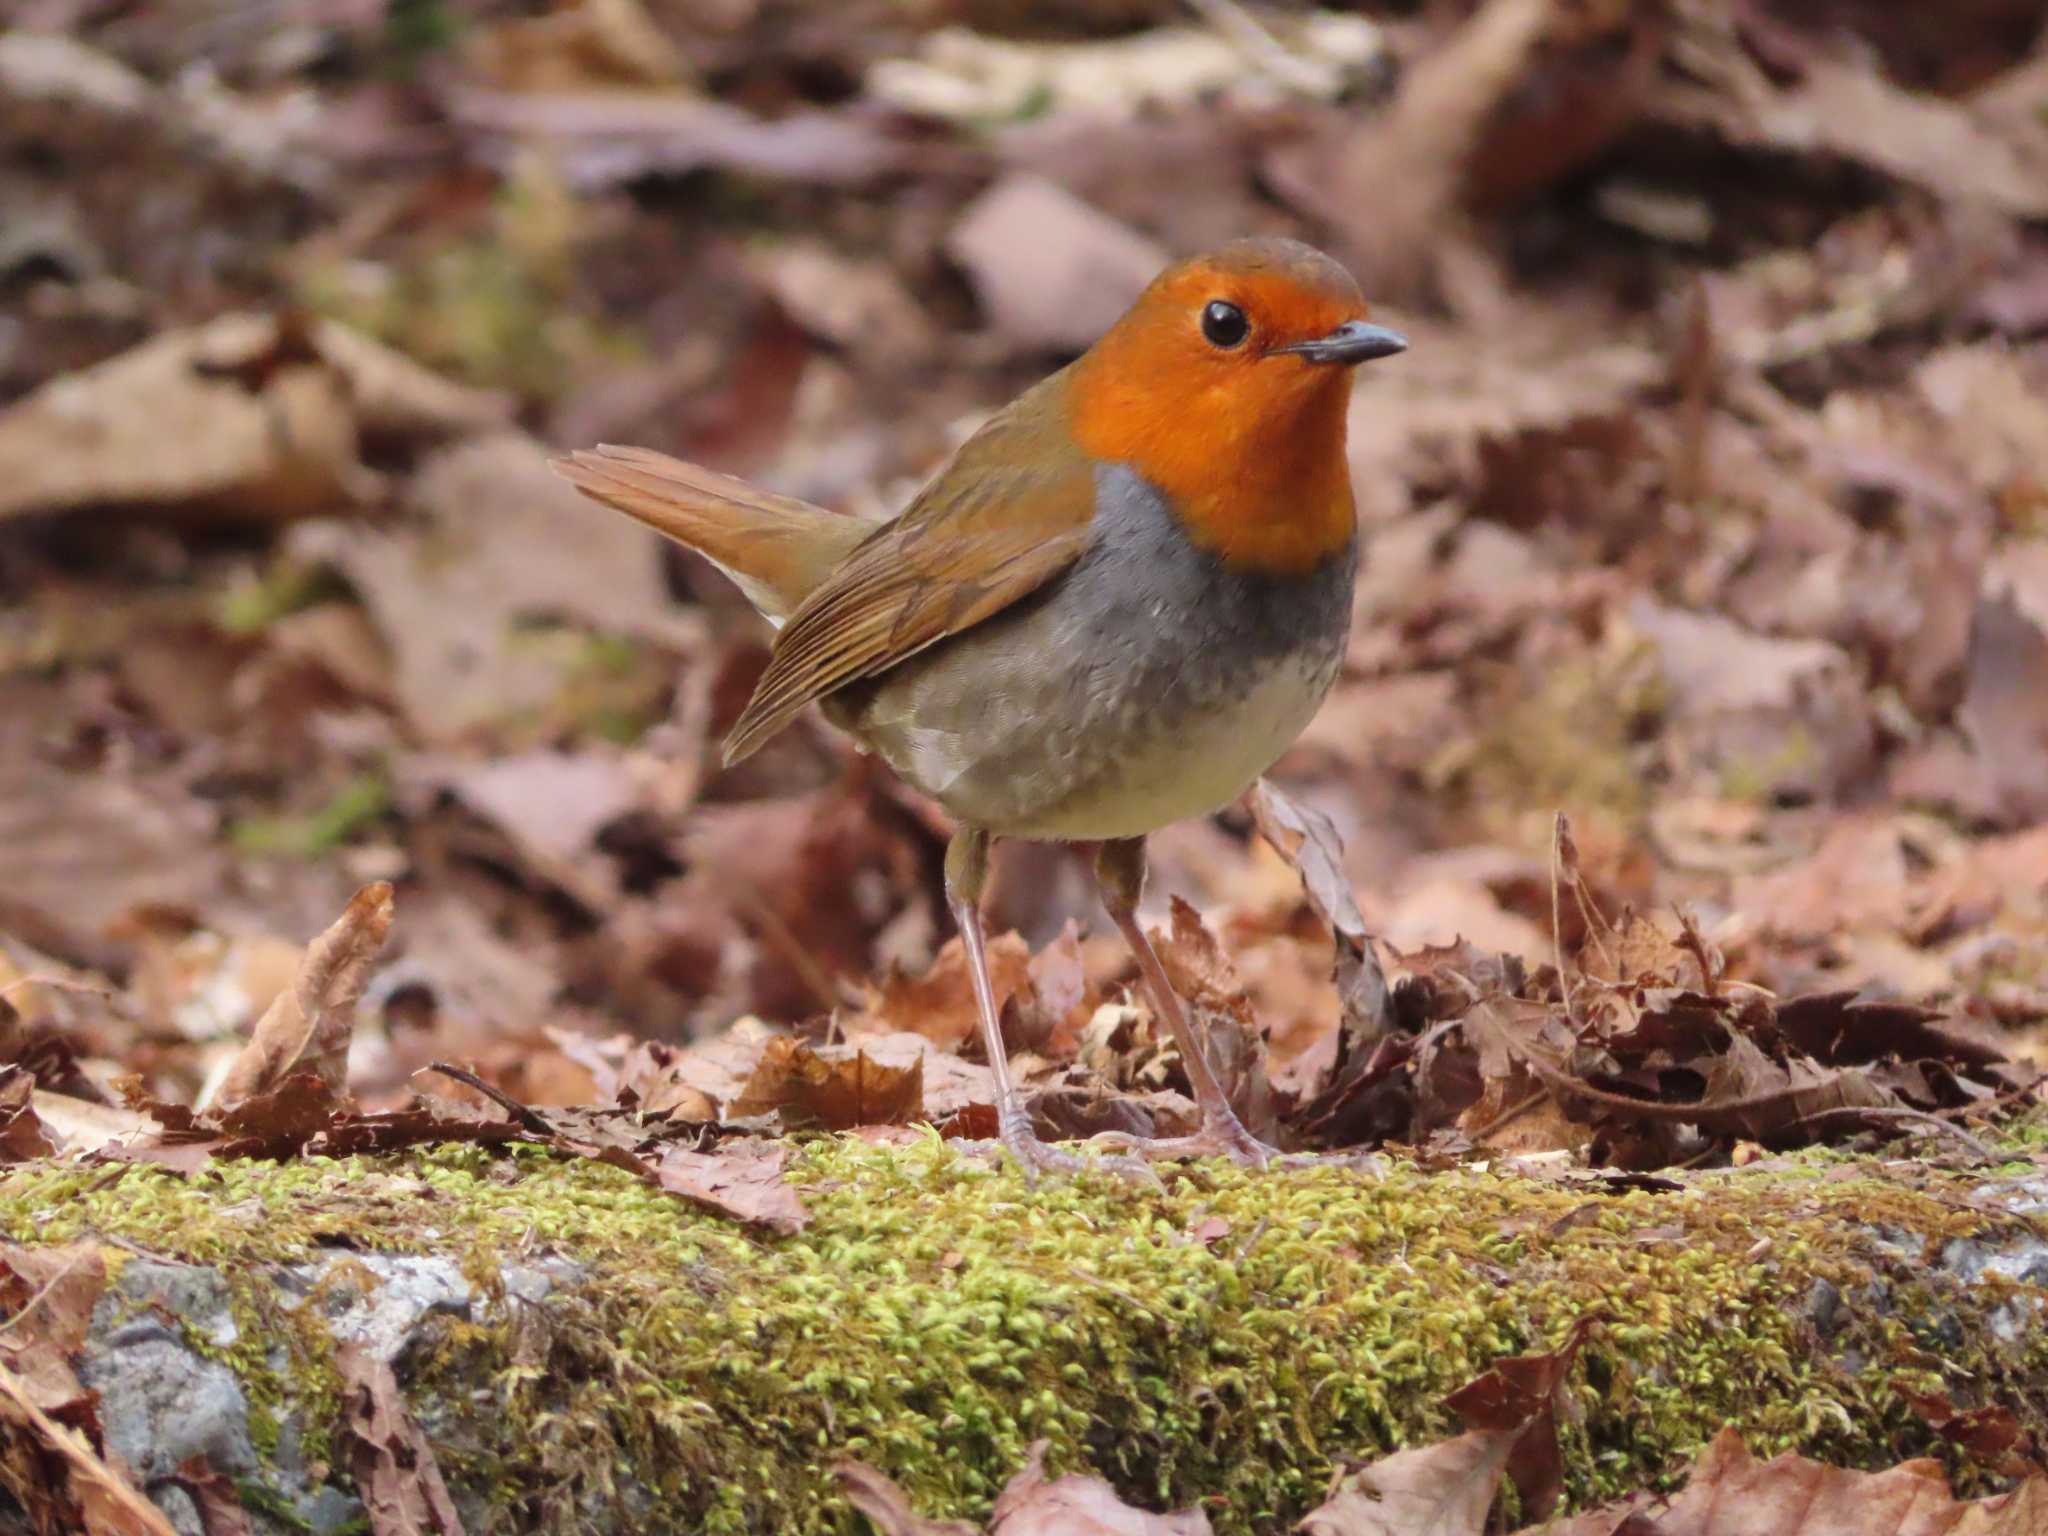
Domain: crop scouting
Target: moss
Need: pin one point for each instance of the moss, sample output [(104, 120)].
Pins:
[(494, 304), (358, 803), (1574, 741), (286, 586), (938, 1315)]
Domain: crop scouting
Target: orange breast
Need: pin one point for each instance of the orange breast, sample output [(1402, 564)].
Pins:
[(1252, 461)]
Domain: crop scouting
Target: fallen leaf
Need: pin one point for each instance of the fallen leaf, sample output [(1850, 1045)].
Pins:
[(597, 139), (807, 1089), (1519, 1397), (860, 306), (54, 1456), (743, 1178), (1391, 181), (250, 414), (1988, 1433), (1031, 1504), (310, 1025), (886, 1507), (1308, 840), (963, 76), (552, 806), (1051, 272), (213, 1492), (1732, 1494), (1849, 108), (1206, 983), (1792, 715), (499, 540), (939, 1004), (1442, 1490), (23, 1137), (390, 1459), (2005, 710)]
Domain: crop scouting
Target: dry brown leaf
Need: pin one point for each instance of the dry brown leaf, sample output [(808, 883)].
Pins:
[(1431, 1490), (1730, 1493), (1031, 1504), (551, 806), (1308, 840), (1849, 108), (23, 1136), (213, 1492), (939, 1004), (85, 848), (248, 414), (309, 1026), (742, 1178), (53, 1459), (1519, 1396), (2005, 708), (806, 1088), (1052, 273), (393, 1465), (105, 1502), (1206, 982), (500, 540), (886, 1507)]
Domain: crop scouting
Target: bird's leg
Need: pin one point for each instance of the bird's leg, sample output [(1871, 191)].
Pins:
[(1120, 872), (966, 877)]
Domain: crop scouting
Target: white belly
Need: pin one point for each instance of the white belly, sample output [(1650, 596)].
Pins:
[(1196, 768)]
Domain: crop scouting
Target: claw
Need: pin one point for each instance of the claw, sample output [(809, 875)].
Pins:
[(1224, 1137)]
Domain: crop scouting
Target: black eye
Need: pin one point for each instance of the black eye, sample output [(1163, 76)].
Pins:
[(1224, 324)]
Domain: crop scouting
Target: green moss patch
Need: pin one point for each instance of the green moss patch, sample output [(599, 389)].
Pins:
[(1220, 1340)]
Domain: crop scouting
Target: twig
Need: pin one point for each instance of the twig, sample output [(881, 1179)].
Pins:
[(42, 1290), (1559, 830), (66, 1442), (58, 983), (1511, 1114), (530, 1119)]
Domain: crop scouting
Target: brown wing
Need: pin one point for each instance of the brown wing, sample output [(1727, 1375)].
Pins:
[(1011, 511)]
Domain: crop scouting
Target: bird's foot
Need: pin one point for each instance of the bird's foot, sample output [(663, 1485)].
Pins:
[(1221, 1135)]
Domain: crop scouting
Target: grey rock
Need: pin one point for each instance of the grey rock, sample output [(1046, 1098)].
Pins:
[(1824, 1306), (161, 1402), (385, 1317)]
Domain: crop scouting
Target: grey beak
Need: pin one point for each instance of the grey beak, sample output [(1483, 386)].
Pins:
[(1352, 342)]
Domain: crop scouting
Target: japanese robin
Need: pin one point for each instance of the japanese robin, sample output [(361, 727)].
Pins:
[(1115, 607)]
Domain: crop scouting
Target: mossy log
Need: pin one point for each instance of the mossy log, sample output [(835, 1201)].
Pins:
[(588, 1355)]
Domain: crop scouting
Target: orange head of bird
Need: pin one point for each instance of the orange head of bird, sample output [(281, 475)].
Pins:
[(1226, 386)]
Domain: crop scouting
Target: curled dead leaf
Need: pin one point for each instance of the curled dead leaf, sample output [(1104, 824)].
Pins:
[(309, 1026)]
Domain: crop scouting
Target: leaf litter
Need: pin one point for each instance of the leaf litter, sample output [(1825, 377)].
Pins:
[(1708, 508)]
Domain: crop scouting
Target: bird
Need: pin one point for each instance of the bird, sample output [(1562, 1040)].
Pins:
[(1113, 608)]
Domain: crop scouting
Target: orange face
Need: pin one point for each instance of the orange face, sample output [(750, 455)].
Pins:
[(1226, 386)]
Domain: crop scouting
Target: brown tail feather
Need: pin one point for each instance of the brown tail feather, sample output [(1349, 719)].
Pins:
[(775, 548)]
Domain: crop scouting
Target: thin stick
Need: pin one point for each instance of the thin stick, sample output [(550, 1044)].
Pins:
[(529, 1119), (56, 983), (1511, 1114), (66, 1443), (1558, 833), (42, 1290)]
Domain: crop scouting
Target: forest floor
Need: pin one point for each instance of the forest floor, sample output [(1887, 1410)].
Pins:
[(1687, 777)]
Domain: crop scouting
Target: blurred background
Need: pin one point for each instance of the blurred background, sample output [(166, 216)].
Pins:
[(1709, 506)]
